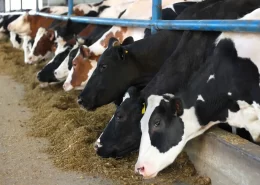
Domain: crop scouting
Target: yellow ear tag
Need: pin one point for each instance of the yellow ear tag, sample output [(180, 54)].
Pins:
[(126, 51), (143, 110)]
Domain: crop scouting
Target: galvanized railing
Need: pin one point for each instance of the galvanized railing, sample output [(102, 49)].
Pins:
[(155, 23)]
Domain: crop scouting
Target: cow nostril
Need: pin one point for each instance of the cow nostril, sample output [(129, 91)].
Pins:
[(140, 170), (80, 101)]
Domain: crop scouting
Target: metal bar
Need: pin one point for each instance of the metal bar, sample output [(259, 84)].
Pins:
[(21, 5), (37, 5), (202, 25), (70, 6), (156, 14)]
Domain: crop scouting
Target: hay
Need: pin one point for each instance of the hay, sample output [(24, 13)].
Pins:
[(72, 131)]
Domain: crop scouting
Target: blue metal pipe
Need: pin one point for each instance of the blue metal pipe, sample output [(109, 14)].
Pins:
[(156, 14), (70, 6), (203, 25)]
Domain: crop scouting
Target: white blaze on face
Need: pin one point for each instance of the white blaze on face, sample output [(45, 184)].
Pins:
[(62, 71), (245, 43), (93, 63), (20, 25), (67, 86), (40, 33), (26, 48), (60, 44), (150, 160), (211, 77)]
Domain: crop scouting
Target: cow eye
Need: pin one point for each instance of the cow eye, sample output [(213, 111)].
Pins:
[(102, 67), (157, 123), (74, 64)]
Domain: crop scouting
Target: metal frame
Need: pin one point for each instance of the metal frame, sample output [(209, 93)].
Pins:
[(155, 23)]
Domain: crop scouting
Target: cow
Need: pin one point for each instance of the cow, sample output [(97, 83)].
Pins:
[(122, 134), (120, 33), (4, 22), (46, 75), (46, 38), (226, 89), (91, 33), (148, 56), (107, 140), (27, 25)]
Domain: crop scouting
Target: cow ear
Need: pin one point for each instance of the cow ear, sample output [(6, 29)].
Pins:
[(128, 40), (51, 35), (122, 53), (113, 42), (177, 106), (85, 52)]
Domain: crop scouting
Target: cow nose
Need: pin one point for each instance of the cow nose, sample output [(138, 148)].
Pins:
[(97, 145), (67, 86), (140, 170), (80, 101), (30, 58), (38, 75)]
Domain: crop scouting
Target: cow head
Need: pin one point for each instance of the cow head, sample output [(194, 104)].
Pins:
[(123, 133), (43, 44), (164, 135), (21, 25), (47, 73), (166, 127), (83, 66), (113, 75), (63, 70)]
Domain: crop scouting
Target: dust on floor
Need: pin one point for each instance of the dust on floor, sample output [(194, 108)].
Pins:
[(21, 160)]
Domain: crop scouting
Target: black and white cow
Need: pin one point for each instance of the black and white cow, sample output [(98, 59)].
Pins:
[(134, 64), (46, 75), (4, 22), (122, 134), (172, 84), (225, 89)]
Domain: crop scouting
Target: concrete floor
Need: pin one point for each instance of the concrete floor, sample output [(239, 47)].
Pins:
[(21, 159)]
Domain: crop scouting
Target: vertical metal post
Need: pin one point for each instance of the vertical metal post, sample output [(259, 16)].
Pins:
[(21, 4), (70, 6), (37, 5), (156, 14), (10, 8)]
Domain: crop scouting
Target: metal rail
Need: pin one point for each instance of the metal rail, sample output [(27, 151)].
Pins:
[(154, 24)]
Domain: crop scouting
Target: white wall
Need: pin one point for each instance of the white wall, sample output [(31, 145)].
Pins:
[(31, 4), (16, 4)]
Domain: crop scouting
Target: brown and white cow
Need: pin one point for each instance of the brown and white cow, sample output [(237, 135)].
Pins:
[(28, 24), (45, 38), (77, 80)]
